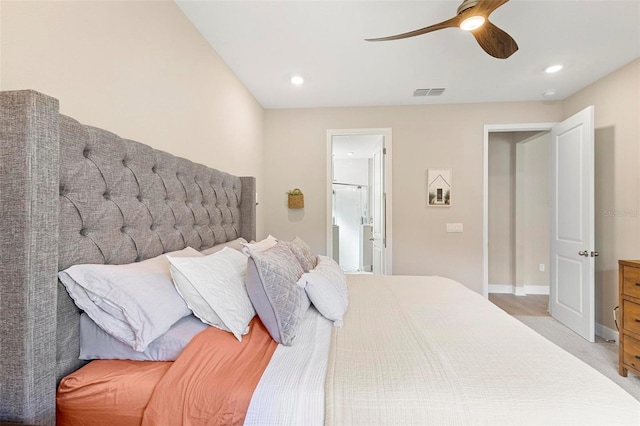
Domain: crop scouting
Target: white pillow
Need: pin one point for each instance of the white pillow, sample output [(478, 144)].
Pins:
[(326, 295), (237, 244), (330, 269), (214, 288), (95, 343), (259, 246), (135, 303)]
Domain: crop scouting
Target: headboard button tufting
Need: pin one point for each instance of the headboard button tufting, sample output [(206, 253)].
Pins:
[(85, 153), (84, 232)]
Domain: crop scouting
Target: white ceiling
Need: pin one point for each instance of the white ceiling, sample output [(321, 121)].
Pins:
[(356, 146), (266, 42)]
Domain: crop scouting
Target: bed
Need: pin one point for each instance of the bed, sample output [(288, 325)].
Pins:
[(411, 350)]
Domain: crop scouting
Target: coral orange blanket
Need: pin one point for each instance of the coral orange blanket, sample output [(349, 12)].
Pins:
[(108, 392), (212, 381)]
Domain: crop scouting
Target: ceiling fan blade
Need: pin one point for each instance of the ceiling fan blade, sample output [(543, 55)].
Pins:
[(453, 22), (494, 41), (486, 7)]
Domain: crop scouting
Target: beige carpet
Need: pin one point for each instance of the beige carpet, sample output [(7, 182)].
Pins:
[(602, 356)]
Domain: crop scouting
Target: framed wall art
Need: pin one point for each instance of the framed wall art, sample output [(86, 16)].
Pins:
[(439, 187)]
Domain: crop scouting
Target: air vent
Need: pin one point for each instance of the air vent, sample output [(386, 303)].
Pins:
[(429, 92)]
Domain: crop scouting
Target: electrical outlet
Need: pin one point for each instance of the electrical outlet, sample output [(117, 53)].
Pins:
[(542, 267)]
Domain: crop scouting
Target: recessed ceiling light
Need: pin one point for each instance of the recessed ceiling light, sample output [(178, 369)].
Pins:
[(297, 80), (553, 68), (350, 153), (549, 92), (472, 23)]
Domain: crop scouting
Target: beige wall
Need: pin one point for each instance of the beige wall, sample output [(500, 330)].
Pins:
[(533, 210), (617, 162), (138, 69), (444, 136), (502, 208)]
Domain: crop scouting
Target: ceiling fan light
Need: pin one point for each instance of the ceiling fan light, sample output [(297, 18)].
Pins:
[(472, 23)]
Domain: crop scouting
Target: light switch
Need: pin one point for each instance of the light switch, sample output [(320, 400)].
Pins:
[(454, 227)]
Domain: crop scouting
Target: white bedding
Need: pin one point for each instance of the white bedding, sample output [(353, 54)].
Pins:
[(427, 350), (291, 390)]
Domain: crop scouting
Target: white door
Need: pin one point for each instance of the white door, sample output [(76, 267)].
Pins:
[(571, 298), (378, 212)]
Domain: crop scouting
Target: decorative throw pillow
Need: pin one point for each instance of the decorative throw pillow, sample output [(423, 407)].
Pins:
[(303, 253), (236, 244), (326, 296), (95, 343), (214, 288), (135, 303), (271, 283), (330, 269), (262, 245)]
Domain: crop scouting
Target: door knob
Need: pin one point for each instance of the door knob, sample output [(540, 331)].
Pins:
[(583, 253), (595, 254)]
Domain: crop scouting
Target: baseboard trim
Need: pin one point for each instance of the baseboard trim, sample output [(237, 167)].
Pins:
[(537, 289), (501, 288), (607, 333), (518, 291)]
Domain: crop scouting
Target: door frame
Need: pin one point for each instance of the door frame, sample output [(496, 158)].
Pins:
[(388, 200), (497, 128)]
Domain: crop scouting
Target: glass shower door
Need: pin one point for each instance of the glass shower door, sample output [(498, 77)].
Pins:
[(349, 214)]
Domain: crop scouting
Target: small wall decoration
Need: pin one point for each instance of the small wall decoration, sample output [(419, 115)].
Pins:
[(439, 187), (295, 199)]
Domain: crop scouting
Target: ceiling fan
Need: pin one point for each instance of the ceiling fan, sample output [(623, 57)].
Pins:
[(473, 16)]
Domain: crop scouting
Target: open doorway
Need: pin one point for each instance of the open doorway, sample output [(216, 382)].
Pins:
[(572, 218), (359, 200), (519, 211), (494, 130)]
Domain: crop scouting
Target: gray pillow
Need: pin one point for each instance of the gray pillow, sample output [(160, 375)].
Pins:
[(306, 257), (271, 283), (95, 343)]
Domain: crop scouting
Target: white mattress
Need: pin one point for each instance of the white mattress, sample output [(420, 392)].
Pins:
[(427, 350), (291, 390)]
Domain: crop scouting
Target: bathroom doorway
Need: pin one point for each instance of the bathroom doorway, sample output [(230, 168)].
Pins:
[(359, 203)]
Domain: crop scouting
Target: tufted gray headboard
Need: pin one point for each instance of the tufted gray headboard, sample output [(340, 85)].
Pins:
[(74, 194)]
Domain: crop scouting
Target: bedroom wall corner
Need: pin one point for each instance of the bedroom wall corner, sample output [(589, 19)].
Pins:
[(139, 69), (616, 98)]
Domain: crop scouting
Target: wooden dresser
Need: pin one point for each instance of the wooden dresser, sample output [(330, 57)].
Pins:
[(629, 317)]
